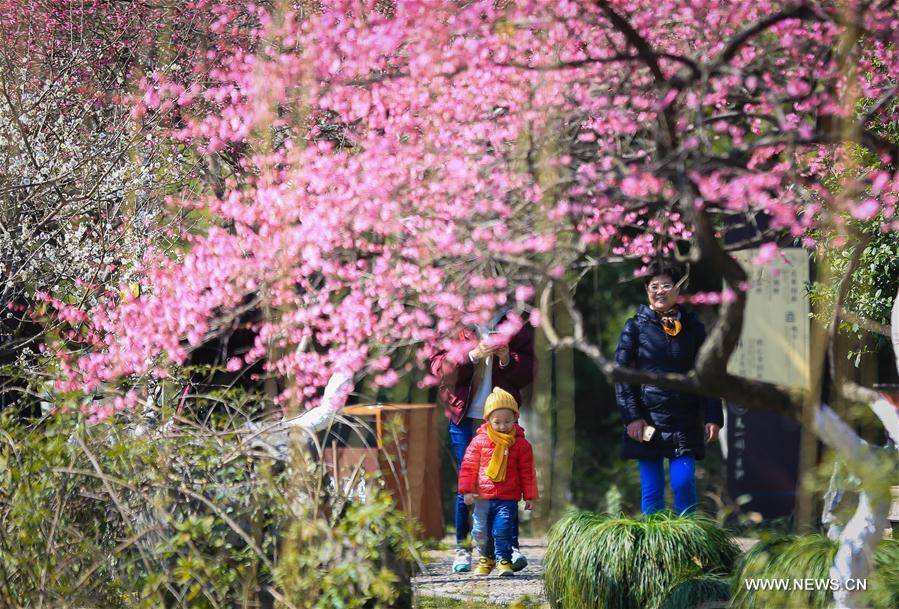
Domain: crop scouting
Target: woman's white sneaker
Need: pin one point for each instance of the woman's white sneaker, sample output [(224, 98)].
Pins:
[(462, 561), (519, 561)]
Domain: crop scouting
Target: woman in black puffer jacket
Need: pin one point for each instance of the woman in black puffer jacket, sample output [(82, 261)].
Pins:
[(663, 337)]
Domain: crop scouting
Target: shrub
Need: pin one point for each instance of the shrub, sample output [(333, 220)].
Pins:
[(601, 562), (883, 589), (124, 514)]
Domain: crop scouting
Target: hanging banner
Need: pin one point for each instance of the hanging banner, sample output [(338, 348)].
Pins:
[(763, 448)]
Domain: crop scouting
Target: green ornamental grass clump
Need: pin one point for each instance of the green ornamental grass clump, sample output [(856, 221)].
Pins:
[(810, 556), (602, 562), (699, 593), (883, 589)]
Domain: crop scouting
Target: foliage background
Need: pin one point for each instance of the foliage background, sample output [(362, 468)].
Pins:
[(154, 509)]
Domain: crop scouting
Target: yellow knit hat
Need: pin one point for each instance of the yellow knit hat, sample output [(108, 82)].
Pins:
[(499, 399)]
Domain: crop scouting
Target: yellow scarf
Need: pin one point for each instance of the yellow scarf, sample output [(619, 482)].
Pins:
[(496, 469)]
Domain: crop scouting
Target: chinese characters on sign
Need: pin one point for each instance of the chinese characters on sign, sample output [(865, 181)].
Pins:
[(774, 345)]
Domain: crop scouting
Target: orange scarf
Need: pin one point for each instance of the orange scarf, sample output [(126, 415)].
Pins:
[(670, 323)]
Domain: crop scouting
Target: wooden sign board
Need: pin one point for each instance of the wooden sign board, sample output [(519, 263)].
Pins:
[(763, 448), (774, 344)]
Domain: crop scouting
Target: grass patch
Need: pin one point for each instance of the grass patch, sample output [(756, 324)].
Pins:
[(602, 562)]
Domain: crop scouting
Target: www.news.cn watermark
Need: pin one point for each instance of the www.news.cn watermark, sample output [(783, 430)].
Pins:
[(806, 584)]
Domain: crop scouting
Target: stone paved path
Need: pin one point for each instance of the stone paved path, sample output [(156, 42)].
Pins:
[(439, 580)]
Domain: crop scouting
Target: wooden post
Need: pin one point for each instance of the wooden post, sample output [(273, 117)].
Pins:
[(806, 502), (564, 432), (539, 428)]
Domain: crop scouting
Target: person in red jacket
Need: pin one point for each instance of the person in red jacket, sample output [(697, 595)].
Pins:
[(464, 387), (496, 473)]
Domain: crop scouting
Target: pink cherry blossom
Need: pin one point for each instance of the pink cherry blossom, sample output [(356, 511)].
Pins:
[(379, 178)]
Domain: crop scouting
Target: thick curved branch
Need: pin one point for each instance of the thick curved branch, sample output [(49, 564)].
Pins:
[(689, 63), (710, 377), (736, 43), (837, 372), (651, 58), (757, 395), (749, 393), (711, 362), (834, 432), (644, 50), (865, 324)]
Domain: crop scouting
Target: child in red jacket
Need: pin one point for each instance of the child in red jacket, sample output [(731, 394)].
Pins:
[(497, 472)]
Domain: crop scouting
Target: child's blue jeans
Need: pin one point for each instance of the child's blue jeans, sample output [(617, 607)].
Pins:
[(683, 483), (494, 526)]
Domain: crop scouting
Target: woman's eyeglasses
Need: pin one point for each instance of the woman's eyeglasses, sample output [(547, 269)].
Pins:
[(660, 287)]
